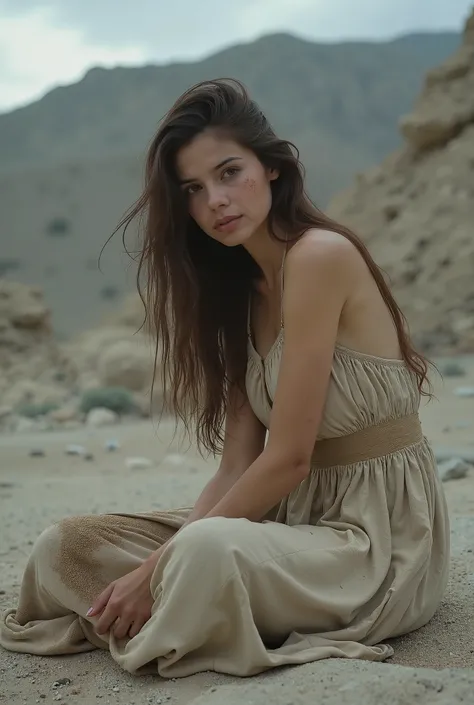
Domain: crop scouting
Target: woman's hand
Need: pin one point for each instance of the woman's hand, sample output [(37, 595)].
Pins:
[(126, 603)]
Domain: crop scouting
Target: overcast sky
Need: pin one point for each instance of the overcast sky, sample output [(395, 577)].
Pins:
[(45, 43)]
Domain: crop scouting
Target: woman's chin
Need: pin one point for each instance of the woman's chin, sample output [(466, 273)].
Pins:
[(234, 239)]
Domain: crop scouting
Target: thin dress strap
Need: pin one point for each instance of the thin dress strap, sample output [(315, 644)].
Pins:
[(282, 281)]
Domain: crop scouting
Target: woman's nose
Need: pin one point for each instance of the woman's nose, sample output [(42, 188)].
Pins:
[(217, 197)]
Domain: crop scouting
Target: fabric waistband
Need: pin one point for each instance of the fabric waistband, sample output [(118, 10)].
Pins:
[(371, 442)]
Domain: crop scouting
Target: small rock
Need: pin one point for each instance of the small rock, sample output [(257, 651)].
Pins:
[(101, 416), (66, 413), (37, 453), (45, 424), (112, 444), (453, 469), (138, 463), (75, 450), (174, 459), (71, 425), (89, 456), (461, 325), (62, 681), (464, 391), (24, 425), (453, 369)]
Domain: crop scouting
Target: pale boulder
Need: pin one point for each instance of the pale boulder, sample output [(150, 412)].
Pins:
[(27, 391), (101, 417), (126, 363), (65, 413), (138, 463)]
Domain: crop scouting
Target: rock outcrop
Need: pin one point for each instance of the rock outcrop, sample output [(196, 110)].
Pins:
[(33, 367), (40, 377), (416, 210)]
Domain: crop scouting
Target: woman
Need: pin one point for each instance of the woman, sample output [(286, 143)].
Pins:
[(324, 539)]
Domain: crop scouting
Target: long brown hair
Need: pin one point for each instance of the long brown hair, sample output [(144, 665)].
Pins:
[(196, 290)]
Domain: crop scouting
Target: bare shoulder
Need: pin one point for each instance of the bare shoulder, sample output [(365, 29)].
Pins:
[(324, 251)]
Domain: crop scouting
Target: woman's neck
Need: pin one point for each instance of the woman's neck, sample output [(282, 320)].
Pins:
[(269, 255)]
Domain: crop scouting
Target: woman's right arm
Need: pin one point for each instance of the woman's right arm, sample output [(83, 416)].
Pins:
[(244, 440)]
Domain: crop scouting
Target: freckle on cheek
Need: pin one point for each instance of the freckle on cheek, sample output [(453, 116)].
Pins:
[(250, 183)]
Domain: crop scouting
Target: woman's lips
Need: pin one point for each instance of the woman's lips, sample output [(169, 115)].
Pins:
[(228, 224)]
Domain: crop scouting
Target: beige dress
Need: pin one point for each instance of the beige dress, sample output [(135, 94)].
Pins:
[(356, 554)]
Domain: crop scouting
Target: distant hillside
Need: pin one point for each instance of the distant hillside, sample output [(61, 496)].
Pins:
[(351, 93), (71, 163), (416, 209), (55, 222)]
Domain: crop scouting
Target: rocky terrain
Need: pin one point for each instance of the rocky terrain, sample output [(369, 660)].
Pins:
[(416, 210), (45, 384), (137, 466), (33, 367), (76, 437)]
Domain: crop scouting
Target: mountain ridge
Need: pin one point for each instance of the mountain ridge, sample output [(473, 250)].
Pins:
[(95, 115), (74, 162)]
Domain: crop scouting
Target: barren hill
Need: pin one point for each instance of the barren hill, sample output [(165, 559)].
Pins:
[(349, 93), (416, 210)]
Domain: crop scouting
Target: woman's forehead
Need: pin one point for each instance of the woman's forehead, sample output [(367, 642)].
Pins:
[(205, 153)]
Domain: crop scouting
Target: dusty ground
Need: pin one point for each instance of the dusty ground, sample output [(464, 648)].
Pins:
[(36, 491)]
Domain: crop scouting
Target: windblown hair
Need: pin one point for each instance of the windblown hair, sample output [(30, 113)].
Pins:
[(196, 290)]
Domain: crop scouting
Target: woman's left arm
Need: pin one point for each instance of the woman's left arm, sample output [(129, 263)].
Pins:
[(318, 276)]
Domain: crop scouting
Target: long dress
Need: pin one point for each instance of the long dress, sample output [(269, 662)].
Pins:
[(356, 554)]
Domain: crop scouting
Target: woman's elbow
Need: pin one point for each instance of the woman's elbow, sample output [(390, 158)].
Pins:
[(296, 463), (301, 468)]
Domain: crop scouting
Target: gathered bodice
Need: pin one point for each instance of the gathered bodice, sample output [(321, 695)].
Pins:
[(363, 389)]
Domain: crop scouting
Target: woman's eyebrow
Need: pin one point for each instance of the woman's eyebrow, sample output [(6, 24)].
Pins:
[(218, 166)]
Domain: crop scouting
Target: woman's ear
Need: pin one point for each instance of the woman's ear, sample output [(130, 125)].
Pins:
[(273, 174)]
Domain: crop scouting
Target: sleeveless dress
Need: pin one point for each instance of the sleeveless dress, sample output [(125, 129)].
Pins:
[(356, 554)]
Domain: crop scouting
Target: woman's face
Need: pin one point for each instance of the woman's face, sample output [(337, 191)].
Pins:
[(227, 188)]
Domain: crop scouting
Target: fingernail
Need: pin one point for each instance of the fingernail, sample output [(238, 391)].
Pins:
[(89, 611)]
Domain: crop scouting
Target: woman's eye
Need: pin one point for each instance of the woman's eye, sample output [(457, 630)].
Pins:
[(231, 171), (227, 173)]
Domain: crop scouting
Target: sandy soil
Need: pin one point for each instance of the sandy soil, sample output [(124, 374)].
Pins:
[(34, 491)]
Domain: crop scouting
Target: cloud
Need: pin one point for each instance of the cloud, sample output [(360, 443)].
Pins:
[(35, 53), (49, 42), (186, 26), (383, 18), (260, 15)]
